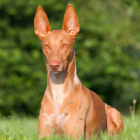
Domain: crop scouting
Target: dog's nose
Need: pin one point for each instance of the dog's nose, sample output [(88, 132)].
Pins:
[(54, 64)]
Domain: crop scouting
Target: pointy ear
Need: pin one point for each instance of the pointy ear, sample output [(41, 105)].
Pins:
[(41, 23), (70, 22)]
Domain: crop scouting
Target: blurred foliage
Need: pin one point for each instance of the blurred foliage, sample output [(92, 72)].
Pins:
[(107, 51)]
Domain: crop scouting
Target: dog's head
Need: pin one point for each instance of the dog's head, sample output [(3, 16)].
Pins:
[(57, 45)]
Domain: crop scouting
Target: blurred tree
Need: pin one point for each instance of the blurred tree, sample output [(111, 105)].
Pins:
[(22, 70), (107, 51), (110, 49)]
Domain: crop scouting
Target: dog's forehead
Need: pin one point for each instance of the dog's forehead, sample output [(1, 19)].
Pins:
[(57, 35)]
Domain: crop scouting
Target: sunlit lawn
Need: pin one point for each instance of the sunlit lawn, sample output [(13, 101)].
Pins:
[(15, 128)]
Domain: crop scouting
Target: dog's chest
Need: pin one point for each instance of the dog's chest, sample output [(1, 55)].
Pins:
[(61, 117), (58, 118), (59, 94)]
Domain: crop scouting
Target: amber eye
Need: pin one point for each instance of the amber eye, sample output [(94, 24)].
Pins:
[(47, 46), (65, 45)]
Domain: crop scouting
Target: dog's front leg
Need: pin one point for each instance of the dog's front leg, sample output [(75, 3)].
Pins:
[(74, 130), (74, 126), (46, 118), (45, 126)]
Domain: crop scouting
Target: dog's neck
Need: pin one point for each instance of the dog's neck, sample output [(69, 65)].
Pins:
[(60, 84)]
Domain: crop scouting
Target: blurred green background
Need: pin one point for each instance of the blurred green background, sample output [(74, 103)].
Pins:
[(107, 52)]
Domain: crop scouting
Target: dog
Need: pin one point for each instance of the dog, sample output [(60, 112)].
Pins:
[(68, 107)]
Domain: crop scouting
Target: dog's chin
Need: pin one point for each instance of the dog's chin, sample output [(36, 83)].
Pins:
[(56, 71)]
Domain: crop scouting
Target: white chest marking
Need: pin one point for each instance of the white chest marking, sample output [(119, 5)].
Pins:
[(58, 94), (49, 119), (60, 119)]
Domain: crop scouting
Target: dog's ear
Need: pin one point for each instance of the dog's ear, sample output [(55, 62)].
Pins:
[(41, 23), (70, 22)]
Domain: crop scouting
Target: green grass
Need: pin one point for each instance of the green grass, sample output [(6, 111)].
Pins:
[(14, 128)]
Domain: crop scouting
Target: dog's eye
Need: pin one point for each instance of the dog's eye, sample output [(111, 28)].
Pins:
[(47, 46), (65, 45)]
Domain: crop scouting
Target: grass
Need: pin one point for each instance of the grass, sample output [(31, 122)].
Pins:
[(14, 128)]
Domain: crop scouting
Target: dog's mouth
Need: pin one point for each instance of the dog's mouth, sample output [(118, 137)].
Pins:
[(55, 71)]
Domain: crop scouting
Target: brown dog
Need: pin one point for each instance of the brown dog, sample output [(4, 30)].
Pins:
[(68, 107)]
